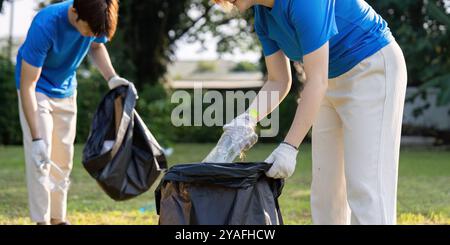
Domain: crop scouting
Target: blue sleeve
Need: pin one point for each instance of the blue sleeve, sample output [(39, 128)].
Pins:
[(102, 39), (36, 45), (269, 46), (314, 22)]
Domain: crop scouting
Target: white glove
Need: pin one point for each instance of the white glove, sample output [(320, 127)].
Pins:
[(117, 81), (239, 135), (39, 153), (284, 159)]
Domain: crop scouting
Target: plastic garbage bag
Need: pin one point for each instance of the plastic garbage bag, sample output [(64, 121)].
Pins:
[(219, 194), (121, 153)]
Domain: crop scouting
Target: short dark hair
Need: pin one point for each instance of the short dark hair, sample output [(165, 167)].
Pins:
[(101, 15)]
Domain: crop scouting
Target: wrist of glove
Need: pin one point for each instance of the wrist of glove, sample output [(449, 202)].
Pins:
[(284, 160), (39, 152), (117, 81)]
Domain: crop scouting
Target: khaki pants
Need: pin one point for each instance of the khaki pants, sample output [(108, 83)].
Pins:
[(57, 124), (356, 141)]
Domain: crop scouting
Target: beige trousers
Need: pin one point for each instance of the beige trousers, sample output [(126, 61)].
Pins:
[(57, 124), (356, 142)]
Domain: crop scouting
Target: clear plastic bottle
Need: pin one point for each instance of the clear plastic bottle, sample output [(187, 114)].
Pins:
[(232, 143), (49, 181)]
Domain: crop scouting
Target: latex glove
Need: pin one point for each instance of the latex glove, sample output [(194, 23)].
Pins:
[(284, 159), (117, 81), (39, 153), (238, 136)]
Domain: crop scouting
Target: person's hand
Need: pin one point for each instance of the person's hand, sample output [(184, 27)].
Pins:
[(117, 81), (238, 136), (284, 159), (39, 153)]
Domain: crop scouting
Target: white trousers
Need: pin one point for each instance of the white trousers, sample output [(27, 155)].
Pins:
[(356, 143), (57, 124)]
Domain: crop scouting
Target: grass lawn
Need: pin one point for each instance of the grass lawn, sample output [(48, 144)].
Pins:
[(423, 194)]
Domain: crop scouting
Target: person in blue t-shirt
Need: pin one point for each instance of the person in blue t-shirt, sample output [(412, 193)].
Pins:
[(353, 99), (59, 38)]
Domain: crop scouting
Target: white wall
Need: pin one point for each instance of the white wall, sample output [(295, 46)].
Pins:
[(435, 117)]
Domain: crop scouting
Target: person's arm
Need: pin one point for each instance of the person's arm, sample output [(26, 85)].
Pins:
[(316, 69), (28, 79), (242, 129), (284, 158), (100, 57), (279, 81), (102, 61)]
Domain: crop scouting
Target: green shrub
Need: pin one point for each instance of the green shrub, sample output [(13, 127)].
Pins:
[(206, 66), (153, 106), (10, 131), (287, 111), (91, 90), (245, 66), (212, 134)]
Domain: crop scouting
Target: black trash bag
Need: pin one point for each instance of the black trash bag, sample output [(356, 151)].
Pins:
[(121, 153), (219, 194)]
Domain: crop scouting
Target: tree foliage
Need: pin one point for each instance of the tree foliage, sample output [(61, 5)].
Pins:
[(9, 111), (148, 31), (422, 28)]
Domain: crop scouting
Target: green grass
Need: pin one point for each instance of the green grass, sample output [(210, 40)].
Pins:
[(423, 194)]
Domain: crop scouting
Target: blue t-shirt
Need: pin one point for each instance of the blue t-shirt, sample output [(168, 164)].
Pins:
[(298, 27), (55, 45)]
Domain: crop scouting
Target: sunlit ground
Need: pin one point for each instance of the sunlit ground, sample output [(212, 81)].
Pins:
[(423, 194)]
